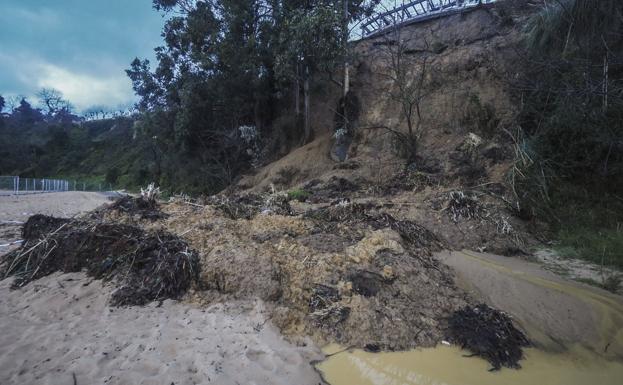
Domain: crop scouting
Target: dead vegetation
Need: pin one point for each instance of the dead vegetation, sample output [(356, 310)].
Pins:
[(488, 333), (144, 266), (139, 208), (346, 272)]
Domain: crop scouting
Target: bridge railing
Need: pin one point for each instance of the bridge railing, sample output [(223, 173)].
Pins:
[(15, 185), (415, 11)]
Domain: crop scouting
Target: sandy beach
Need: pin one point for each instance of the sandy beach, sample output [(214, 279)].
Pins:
[(16, 209), (60, 330)]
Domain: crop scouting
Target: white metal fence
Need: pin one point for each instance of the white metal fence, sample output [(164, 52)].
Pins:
[(15, 185), (414, 11)]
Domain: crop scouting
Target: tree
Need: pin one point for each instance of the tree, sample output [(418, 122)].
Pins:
[(407, 67), (56, 108), (307, 53), (304, 55), (2, 102), (26, 114), (570, 84), (227, 64)]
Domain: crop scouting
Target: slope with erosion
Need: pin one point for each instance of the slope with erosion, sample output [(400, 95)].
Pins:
[(458, 186)]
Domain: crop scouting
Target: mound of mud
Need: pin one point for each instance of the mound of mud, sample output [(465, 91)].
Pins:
[(249, 205), (146, 266), (488, 333), (341, 274), (334, 188)]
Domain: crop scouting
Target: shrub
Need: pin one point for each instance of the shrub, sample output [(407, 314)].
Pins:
[(299, 195)]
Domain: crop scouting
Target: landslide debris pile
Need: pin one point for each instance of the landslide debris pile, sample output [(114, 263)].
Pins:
[(488, 333), (145, 266), (340, 273), (344, 272)]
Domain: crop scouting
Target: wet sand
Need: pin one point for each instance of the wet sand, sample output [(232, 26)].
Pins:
[(555, 312)]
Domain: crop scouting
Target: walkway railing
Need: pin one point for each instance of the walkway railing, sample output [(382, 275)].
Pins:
[(415, 11), (15, 185)]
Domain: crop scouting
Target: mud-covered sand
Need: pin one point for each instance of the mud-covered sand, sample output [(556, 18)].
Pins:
[(60, 330), (557, 313)]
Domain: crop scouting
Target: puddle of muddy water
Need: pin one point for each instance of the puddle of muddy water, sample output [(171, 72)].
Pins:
[(446, 365)]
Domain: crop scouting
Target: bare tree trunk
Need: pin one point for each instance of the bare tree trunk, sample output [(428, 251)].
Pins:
[(605, 85), (306, 97), (345, 37), (297, 92)]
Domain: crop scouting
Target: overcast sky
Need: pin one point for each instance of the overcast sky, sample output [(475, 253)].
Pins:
[(80, 47)]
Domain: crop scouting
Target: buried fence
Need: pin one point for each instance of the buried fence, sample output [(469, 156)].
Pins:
[(15, 185)]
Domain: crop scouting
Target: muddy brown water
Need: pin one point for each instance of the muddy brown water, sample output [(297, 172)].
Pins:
[(446, 365), (587, 347)]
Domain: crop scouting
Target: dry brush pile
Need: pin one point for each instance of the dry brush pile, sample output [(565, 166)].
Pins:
[(145, 266)]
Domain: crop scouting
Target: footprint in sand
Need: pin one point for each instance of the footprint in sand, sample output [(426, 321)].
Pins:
[(261, 358)]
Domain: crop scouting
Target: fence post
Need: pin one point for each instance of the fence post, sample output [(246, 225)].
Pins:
[(17, 185)]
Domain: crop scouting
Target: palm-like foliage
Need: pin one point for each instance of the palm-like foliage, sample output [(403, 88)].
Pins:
[(586, 25)]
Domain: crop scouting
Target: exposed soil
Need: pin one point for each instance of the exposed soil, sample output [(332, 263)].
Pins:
[(339, 273)]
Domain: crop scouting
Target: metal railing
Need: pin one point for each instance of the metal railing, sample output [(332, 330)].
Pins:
[(415, 11), (15, 185)]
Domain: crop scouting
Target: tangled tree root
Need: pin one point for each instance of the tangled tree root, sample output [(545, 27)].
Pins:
[(488, 333), (416, 236), (145, 266), (141, 207)]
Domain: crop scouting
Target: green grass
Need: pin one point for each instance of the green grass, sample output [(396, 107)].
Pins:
[(299, 195), (600, 246), (588, 225)]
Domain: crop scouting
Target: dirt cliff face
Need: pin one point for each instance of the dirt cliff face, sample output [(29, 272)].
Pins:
[(466, 61), (457, 185)]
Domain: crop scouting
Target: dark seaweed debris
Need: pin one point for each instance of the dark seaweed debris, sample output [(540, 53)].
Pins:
[(488, 333), (146, 266)]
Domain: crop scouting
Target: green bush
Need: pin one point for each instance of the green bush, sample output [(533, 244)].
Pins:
[(299, 195)]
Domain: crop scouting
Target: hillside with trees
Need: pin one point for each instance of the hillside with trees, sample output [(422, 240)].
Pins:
[(240, 84)]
